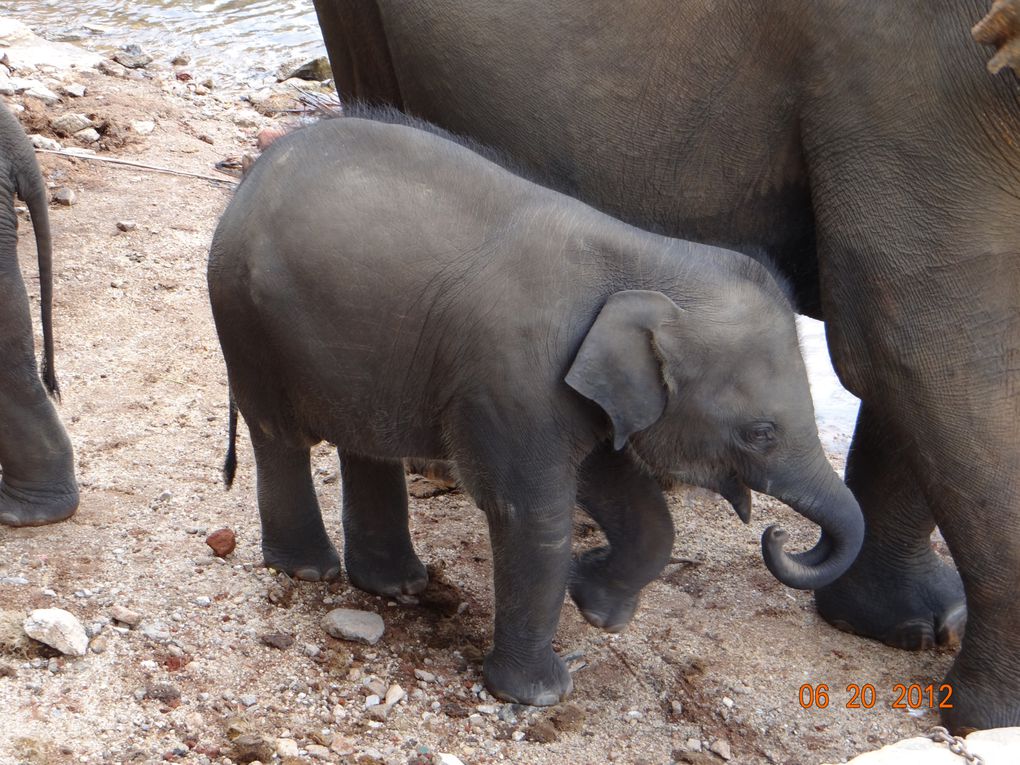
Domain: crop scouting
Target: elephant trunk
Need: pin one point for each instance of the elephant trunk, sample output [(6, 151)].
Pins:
[(824, 499), (32, 190)]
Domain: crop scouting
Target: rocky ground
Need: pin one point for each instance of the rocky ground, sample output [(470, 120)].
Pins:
[(198, 658)]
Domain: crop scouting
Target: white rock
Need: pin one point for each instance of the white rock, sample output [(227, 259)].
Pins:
[(371, 701), (451, 759), (71, 122), (425, 676), (125, 616), (42, 142), (43, 93), (25, 49), (359, 626), (247, 118), (394, 694), (58, 629), (88, 135), (143, 127), (997, 746), (73, 89), (722, 748), (286, 747)]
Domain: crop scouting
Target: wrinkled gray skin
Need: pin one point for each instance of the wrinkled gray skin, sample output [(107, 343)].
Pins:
[(389, 291), (38, 484), (864, 147)]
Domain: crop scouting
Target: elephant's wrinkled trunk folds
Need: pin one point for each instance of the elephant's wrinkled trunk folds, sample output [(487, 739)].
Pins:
[(828, 503)]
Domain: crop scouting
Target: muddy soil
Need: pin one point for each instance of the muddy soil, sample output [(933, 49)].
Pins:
[(711, 667)]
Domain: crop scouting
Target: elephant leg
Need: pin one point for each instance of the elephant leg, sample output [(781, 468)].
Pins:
[(378, 552), (293, 538), (898, 590), (38, 484), (628, 505)]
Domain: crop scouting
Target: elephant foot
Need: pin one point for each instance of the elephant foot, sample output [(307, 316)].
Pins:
[(539, 681), (602, 603), (388, 575), (1001, 28), (979, 701), (913, 608), (321, 564), (24, 507)]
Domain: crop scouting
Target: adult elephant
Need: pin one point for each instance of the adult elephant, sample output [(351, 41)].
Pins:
[(864, 148), (38, 484)]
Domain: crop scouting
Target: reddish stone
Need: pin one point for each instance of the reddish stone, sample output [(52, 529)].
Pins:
[(222, 542)]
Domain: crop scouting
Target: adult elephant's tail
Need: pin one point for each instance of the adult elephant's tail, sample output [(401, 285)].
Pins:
[(230, 462), (32, 190)]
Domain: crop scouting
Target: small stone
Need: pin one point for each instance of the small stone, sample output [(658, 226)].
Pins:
[(204, 601), (143, 127), (74, 89), (112, 68), (722, 748), (315, 70), (163, 692), (65, 196), (542, 732), (180, 60), (132, 57), (286, 747), (425, 676), (58, 629), (249, 699), (342, 746), (371, 701), (311, 650), (317, 751), (394, 694), (98, 644), (517, 735), (358, 626), (156, 632), (676, 708), (727, 702), (88, 135), (42, 142), (222, 542), (43, 93), (70, 123), (280, 640), (13, 580), (379, 712)]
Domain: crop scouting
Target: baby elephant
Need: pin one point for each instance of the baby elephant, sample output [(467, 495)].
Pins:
[(380, 286)]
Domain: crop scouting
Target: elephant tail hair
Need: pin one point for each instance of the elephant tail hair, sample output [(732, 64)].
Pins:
[(230, 463)]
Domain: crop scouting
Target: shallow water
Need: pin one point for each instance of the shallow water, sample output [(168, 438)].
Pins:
[(234, 40), (245, 41)]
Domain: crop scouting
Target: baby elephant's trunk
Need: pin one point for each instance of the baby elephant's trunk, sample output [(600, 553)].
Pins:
[(823, 498)]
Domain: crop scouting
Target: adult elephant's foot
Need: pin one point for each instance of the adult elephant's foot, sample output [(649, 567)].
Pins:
[(985, 692), (912, 606), (603, 603), (37, 504), (540, 679), (311, 562), (388, 574)]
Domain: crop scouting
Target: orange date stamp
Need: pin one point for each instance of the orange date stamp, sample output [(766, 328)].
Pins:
[(864, 696)]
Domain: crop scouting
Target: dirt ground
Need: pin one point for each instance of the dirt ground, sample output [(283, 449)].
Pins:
[(714, 659)]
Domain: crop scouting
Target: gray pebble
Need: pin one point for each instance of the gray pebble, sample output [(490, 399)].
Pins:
[(359, 626)]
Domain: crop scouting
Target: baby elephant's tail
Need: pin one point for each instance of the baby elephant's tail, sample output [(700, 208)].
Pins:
[(230, 463)]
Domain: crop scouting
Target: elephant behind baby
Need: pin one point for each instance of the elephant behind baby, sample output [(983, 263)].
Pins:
[(38, 484)]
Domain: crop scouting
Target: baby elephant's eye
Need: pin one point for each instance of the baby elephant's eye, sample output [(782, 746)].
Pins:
[(759, 434)]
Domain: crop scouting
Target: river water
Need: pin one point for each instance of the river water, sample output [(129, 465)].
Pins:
[(244, 42), (239, 41)]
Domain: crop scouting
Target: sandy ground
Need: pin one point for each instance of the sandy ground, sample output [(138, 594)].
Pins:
[(715, 657)]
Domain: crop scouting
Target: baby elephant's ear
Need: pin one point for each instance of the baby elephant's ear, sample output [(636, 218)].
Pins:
[(617, 366)]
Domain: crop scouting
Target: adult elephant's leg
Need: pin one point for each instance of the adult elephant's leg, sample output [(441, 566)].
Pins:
[(38, 484), (378, 552), (294, 539), (898, 591), (628, 505)]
